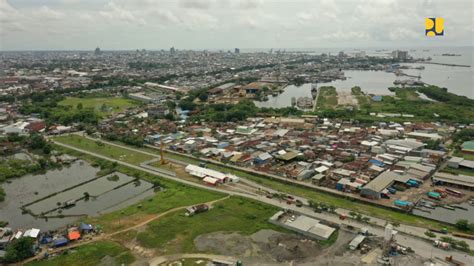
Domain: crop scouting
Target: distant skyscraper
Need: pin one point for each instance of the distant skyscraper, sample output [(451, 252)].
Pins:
[(172, 50), (97, 51), (237, 50), (400, 55)]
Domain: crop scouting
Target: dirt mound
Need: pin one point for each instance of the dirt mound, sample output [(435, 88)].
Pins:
[(228, 244), (264, 245), (286, 247)]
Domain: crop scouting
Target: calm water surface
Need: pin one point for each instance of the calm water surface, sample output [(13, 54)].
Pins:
[(107, 195)]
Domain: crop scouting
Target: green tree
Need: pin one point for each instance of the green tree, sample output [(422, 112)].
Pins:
[(462, 224), (19, 250), (79, 106), (462, 245), (430, 234)]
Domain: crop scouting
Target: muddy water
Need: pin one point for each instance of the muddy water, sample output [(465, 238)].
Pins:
[(106, 195)]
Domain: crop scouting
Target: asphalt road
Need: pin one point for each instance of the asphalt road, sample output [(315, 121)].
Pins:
[(421, 247)]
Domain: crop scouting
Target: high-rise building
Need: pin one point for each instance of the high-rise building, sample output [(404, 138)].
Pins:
[(97, 51), (172, 50), (400, 55), (237, 50)]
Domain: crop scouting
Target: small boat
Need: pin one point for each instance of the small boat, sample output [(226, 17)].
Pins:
[(69, 203)]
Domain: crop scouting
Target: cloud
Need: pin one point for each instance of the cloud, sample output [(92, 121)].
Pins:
[(165, 16), (47, 13), (197, 20), (229, 23), (249, 4), (10, 19), (346, 36), (195, 4), (117, 13)]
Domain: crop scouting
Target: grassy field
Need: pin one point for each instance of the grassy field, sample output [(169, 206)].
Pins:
[(103, 106), (464, 155), (362, 99), (175, 232), (104, 149), (407, 94), (175, 195), (407, 101), (91, 254), (327, 98)]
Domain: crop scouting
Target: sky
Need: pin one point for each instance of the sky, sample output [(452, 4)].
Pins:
[(226, 24)]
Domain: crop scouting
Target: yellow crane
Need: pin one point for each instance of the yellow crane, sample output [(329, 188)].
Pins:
[(162, 154)]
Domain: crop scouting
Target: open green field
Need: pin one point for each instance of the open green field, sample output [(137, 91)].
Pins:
[(407, 101), (361, 97), (102, 105), (466, 156), (91, 254), (175, 232), (104, 149), (327, 98)]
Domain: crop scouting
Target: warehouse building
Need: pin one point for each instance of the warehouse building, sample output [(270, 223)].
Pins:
[(460, 181), (457, 162), (210, 176), (375, 188), (302, 224)]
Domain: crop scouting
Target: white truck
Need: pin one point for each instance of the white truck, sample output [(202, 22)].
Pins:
[(441, 244)]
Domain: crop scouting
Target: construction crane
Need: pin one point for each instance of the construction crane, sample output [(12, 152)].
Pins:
[(162, 154)]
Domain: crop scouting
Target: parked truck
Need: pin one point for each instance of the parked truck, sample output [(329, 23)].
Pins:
[(442, 192), (441, 244), (434, 195), (441, 231)]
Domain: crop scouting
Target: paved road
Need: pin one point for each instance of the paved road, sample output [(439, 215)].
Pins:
[(421, 247), (316, 100)]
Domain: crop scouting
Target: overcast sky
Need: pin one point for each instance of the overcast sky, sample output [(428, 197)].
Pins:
[(225, 24)]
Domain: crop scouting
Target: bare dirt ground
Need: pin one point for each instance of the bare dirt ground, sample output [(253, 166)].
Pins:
[(268, 247), (346, 98), (271, 247)]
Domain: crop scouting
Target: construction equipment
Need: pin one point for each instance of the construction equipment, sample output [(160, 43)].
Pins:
[(453, 261), (441, 244), (162, 154)]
